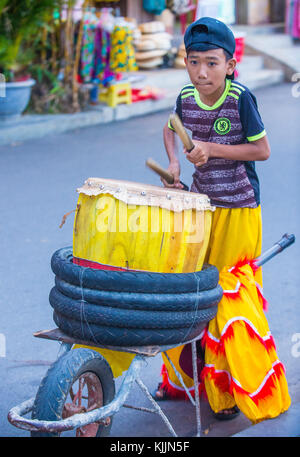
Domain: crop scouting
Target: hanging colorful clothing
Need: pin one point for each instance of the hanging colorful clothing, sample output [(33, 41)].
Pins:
[(122, 55), (293, 18), (102, 73), (88, 48)]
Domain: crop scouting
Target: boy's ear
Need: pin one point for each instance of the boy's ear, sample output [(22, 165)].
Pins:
[(231, 65), (185, 60)]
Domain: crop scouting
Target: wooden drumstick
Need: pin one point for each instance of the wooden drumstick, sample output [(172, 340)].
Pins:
[(181, 132), (163, 173), (160, 171)]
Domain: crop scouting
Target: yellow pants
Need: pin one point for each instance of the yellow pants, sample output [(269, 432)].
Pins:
[(241, 365)]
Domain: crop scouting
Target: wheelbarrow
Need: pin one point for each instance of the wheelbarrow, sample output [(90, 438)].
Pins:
[(93, 406)]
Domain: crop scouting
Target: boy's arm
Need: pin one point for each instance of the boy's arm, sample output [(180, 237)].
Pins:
[(171, 149), (252, 151)]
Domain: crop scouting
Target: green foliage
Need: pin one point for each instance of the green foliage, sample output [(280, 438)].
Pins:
[(48, 92), (52, 96), (33, 42), (20, 23)]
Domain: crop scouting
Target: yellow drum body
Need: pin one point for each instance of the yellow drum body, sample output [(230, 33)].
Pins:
[(140, 227)]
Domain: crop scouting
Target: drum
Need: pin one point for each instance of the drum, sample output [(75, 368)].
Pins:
[(128, 225)]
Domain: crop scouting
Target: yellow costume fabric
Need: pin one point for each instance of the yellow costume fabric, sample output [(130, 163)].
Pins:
[(241, 364), (118, 361)]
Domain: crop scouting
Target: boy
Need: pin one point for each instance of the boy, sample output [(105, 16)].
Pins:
[(229, 136)]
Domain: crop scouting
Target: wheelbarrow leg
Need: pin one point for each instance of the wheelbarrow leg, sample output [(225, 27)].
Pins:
[(196, 388), (180, 379), (158, 410), (64, 348), (195, 402)]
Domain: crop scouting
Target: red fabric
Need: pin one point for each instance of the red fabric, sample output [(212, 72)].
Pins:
[(96, 265), (265, 303), (174, 393), (226, 384), (221, 379), (218, 346), (270, 384)]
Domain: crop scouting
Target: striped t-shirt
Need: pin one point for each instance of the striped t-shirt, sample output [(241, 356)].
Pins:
[(233, 119)]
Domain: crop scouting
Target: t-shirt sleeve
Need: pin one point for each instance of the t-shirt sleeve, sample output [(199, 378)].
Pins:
[(177, 110), (252, 123)]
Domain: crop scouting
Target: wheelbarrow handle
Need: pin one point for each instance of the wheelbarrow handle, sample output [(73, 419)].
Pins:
[(285, 241)]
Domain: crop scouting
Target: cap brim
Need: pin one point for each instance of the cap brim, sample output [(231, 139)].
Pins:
[(202, 47)]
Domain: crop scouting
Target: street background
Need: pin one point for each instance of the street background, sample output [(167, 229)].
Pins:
[(38, 184)]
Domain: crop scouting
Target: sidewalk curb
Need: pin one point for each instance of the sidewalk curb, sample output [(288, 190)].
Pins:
[(170, 81), (279, 65), (37, 126), (285, 425)]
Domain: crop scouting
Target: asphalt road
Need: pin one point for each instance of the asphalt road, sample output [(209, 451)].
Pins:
[(38, 186)]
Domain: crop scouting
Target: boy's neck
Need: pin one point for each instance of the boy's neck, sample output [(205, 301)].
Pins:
[(210, 100)]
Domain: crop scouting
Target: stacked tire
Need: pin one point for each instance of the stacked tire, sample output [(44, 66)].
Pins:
[(131, 308)]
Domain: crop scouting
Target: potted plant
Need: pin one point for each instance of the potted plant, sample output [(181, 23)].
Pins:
[(20, 22)]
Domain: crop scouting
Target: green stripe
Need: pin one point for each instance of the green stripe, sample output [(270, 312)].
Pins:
[(233, 95), (236, 90), (188, 85), (186, 89), (170, 126), (187, 95), (257, 137), (238, 86), (218, 102)]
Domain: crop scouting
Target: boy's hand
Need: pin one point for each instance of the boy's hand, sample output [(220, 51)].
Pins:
[(199, 154), (174, 170)]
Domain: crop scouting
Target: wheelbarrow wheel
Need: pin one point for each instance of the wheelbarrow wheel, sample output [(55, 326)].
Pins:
[(77, 382)]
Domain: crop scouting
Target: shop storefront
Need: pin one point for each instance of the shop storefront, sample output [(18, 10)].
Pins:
[(221, 9), (116, 40), (119, 38), (255, 12)]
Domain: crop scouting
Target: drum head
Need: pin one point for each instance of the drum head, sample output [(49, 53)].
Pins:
[(145, 194)]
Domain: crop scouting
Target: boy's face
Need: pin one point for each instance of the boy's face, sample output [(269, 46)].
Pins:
[(208, 70)]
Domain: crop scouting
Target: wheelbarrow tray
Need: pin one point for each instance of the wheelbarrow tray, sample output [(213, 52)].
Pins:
[(58, 335)]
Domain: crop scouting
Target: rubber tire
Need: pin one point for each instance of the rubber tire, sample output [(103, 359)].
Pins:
[(54, 388), (82, 310), (139, 301), (115, 336), (129, 281)]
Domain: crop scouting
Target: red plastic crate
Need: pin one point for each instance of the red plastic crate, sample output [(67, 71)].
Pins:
[(240, 47)]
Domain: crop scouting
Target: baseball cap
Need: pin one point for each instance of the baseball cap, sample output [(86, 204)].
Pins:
[(209, 33)]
